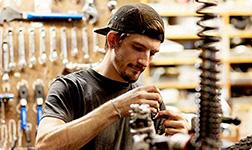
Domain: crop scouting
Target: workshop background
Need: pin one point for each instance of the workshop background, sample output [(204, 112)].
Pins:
[(34, 52)]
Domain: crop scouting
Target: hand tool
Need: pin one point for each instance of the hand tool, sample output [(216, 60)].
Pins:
[(96, 48), (4, 98), (21, 49), (42, 50), (4, 136), (5, 48), (23, 96), (1, 52), (8, 14), (85, 43), (90, 10), (74, 47), (32, 57), (64, 46), (12, 64), (53, 56), (12, 129), (112, 5), (20, 134), (39, 97)]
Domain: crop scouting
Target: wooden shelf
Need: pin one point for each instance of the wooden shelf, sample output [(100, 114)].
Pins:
[(176, 13), (181, 36), (240, 13), (241, 34), (240, 59), (176, 85), (174, 61)]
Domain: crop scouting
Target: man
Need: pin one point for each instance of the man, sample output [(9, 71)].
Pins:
[(90, 109)]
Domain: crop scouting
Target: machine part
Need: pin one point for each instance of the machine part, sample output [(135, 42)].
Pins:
[(90, 12), (21, 49), (12, 64), (208, 122), (5, 48), (32, 58), (39, 97), (141, 126), (53, 53), (229, 120), (85, 43), (64, 46), (243, 144), (144, 135), (8, 14), (74, 47), (42, 50)]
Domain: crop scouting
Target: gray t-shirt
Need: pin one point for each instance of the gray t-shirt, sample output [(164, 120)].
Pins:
[(76, 94)]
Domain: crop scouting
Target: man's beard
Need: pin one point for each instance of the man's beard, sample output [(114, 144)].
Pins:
[(128, 78)]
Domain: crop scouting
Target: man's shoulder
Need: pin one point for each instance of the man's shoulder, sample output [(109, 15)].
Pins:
[(74, 77)]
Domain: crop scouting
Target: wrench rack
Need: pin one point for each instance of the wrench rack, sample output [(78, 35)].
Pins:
[(26, 41)]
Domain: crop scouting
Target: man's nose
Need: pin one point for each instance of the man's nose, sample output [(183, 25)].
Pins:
[(143, 61)]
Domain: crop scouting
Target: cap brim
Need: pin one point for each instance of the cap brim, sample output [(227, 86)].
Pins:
[(102, 31)]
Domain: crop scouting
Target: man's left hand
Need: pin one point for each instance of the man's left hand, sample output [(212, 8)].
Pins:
[(174, 122)]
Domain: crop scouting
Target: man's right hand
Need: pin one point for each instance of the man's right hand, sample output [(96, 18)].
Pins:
[(140, 95)]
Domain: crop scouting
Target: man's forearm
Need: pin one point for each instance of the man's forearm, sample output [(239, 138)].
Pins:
[(77, 133)]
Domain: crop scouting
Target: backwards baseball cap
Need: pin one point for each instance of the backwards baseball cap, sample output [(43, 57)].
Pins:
[(136, 18)]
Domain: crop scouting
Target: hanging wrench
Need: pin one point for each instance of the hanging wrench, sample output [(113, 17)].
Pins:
[(112, 5), (53, 53), (20, 134), (4, 98), (96, 48), (32, 58), (21, 49), (1, 52), (5, 47), (12, 133), (12, 64), (90, 11), (74, 48), (39, 97), (85, 43), (64, 46), (42, 51), (4, 136)]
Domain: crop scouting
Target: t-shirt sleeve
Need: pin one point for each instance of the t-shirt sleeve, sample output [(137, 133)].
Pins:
[(59, 103)]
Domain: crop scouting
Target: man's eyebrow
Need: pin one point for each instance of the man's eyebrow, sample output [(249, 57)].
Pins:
[(142, 45)]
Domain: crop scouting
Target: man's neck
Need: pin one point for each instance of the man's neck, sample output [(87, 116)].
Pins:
[(107, 69)]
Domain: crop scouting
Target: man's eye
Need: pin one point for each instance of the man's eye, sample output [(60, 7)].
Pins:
[(152, 53), (138, 48)]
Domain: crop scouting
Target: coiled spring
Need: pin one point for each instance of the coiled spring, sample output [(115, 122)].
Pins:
[(208, 123)]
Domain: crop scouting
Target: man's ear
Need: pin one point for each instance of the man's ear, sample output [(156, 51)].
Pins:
[(112, 38)]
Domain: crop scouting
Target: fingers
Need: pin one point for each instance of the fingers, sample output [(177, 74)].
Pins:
[(151, 96), (174, 124), (150, 88), (172, 131), (169, 114), (154, 105)]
